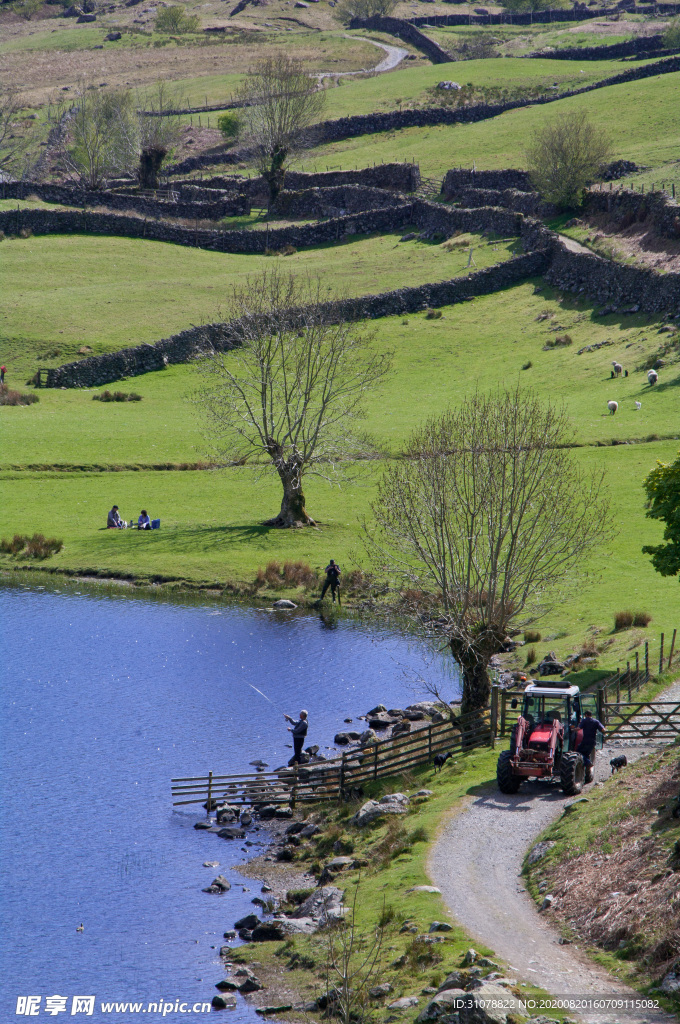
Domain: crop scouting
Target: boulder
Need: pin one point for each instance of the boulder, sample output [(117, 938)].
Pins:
[(339, 863), (309, 830), (401, 727), (367, 738), (266, 1011), (423, 794), (393, 803), (490, 1003), (382, 720), (671, 983), (443, 1004), (112, 37), (219, 884), (377, 710), (405, 1003), (380, 991), (231, 832), (226, 985), (249, 921), (298, 926), (250, 985), (220, 1003), (341, 739), (424, 888), (85, 17), (440, 926), (414, 716), (428, 707), (285, 854), (283, 603), (322, 906), (550, 666), (547, 902), (231, 934), (539, 851), (202, 825), (268, 811), (283, 812), (470, 958), (268, 931)]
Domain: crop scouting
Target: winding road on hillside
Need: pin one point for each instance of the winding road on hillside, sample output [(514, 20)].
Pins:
[(477, 863), (395, 55)]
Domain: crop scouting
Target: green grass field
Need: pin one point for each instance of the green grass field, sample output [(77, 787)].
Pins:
[(646, 129)]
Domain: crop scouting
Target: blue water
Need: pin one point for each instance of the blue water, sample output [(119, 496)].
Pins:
[(105, 699)]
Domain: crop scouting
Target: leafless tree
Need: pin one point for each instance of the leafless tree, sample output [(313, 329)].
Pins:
[(564, 155), (100, 135), (352, 965), (159, 131), (293, 389), (14, 139), (489, 509), (280, 102)]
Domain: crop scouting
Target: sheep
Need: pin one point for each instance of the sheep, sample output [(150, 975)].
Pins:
[(612, 406), (638, 405), (652, 376), (618, 369)]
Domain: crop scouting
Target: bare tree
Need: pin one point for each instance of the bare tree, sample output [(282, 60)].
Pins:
[(293, 388), (14, 140), (564, 155), (352, 965), (280, 102), (101, 134), (489, 509), (159, 131)]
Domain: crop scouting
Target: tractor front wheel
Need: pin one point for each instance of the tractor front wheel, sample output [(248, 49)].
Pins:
[(507, 782), (572, 774)]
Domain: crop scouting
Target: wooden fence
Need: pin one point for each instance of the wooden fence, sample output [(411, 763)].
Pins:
[(337, 778)]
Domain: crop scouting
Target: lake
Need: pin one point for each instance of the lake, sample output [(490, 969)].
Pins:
[(106, 697)]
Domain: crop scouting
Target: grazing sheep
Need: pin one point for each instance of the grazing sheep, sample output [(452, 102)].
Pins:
[(612, 406), (618, 369), (638, 405), (652, 376)]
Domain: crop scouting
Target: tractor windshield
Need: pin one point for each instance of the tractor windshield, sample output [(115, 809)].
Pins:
[(544, 708)]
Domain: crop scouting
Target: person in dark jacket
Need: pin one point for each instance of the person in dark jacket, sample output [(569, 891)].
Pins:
[(332, 580), (590, 726), (299, 731)]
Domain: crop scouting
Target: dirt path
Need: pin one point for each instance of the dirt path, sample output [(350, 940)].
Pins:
[(395, 55), (476, 862)]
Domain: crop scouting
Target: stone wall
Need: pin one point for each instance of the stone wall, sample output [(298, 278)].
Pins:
[(618, 287), (333, 202), (98, 370), (639, 46), (229, 205), (656, 209), (427, 216), (537, 17), (465, 178), (406, 31), (396, 177), (529, 203)]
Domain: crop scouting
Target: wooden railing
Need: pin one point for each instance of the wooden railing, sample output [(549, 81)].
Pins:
[(336, 779), (656, 720)]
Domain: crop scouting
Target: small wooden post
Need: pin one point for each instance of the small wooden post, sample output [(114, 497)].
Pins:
[(341, 785), (661, 656), (637, 670), (375, 760), (618, 686), (207, 813), (600, 702), (494, 714), (670, 656), (646, 660), (429, 741), (504, 702), (630, 682)]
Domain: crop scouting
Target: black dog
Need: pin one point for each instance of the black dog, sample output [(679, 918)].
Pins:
[(618, 762), (441, 759)]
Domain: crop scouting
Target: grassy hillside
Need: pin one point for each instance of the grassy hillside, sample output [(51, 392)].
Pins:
[(621, 847)]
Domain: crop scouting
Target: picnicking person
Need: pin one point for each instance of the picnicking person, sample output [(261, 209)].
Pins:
[(113, 520), (143, 523), (299, 731)]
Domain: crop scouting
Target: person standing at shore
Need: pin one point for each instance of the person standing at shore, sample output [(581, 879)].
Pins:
[(332, 580), (299, 731)]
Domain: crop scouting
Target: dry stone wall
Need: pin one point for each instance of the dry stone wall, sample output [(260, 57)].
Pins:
[(657, 209), (406, 31), (399, 177), (538, 17), (640, 46)]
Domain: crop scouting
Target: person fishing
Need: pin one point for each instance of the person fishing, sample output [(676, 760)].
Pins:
[(332, 580), (299, 731)]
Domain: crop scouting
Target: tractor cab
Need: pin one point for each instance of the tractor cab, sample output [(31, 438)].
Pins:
[(545, 740)]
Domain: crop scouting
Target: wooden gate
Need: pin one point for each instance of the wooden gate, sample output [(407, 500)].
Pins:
[(659, 720)]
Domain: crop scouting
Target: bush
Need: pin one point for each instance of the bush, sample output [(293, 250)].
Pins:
[(623, 620), (641, 619), (527, 366), (671, 37), (38, 546), (230, 125), (349, 9), (117, 396), (564, 155), (532, 637), (298, 896), (531, 656), (292, 574), (10, 397), (175, 20), (433, 314)]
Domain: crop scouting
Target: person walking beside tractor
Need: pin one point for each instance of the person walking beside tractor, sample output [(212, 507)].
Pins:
[(299, 731), (332, 580), (590, 727)]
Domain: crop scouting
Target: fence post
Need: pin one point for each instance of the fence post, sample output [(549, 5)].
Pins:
[(637, 670), (375, 760), (661, 656), (429, 741), (670, 656), (618, 686), (494, 714), (504, 701), (207, 813), (293, 791), (646, 660), (341, 785), (630, 681), (600, 702)]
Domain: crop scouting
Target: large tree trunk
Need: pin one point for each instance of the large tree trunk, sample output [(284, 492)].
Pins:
[(150, 162), (275, 174), (293, 512), (474, 665)]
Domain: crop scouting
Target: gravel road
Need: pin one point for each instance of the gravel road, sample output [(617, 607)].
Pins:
[(476, 862), (395, 55)]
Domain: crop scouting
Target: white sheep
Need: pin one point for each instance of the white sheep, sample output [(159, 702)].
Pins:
[(618, 369), (638, 405), (652, 376), (612, 406)]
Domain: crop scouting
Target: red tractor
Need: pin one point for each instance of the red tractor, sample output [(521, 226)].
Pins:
[(546, 737)]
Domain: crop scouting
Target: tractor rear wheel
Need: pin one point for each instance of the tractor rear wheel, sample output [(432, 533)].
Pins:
[(572, 774), (507, 782)]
